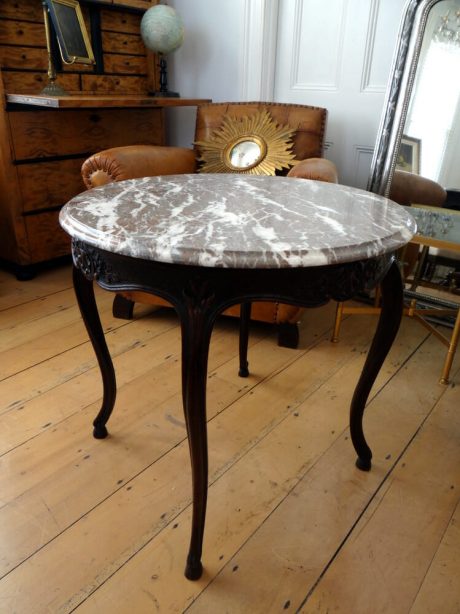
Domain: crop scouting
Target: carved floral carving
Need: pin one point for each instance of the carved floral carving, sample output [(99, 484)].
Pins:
[(91, 263)]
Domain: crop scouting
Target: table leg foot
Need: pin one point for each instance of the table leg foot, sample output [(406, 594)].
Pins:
[(363, 463), (100, 431), (193, 568)]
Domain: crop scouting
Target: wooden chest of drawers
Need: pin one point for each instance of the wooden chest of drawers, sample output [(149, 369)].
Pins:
[(47, 150), (42, 149)]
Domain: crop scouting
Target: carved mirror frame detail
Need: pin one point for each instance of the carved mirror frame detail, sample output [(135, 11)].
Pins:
[(274, 144), (399, 90)]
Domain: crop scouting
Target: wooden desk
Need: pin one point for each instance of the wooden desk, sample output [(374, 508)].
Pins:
[(106, 101), (44, 141)]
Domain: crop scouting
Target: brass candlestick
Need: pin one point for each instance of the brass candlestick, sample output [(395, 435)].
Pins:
[(51, 88)]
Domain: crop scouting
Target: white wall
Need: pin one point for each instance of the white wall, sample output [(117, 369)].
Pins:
[(210, 62), (337, 55), (225, 37)]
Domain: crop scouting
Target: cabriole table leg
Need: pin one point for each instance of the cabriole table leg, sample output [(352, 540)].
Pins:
[(196, 327), (84, 292), (388, 325)]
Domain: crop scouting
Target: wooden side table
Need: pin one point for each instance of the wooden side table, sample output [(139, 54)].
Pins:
[(205, 242)]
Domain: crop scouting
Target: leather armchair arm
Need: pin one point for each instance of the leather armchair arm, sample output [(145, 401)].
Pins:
[(408, 188), (134, 161), (315, 168)]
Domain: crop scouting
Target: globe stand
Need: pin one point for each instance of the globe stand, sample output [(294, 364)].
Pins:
[(163, 91)]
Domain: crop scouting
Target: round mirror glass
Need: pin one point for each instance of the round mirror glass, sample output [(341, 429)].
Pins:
[(245, 154)]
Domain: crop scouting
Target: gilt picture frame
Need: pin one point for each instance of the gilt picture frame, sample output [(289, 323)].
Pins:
[(71, 33), (409, 155)]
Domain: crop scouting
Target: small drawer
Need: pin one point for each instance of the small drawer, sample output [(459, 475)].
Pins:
[(41, 134), (49, 184), (46, 238)]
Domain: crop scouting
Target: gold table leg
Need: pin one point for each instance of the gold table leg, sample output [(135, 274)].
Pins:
[(451, 351), (337, 323)]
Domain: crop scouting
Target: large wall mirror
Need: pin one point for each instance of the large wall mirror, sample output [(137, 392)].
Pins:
[(420, 126), (419, 134)]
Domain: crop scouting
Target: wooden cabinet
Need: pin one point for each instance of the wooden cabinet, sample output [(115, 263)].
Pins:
[(47, 149), (44, 140), (38, 134)]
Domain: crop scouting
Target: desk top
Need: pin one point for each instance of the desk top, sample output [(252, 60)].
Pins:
[(94, 101), (237, 221)]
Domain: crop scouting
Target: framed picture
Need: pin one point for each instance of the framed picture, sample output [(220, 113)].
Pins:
[(409, 155), (73, 40)]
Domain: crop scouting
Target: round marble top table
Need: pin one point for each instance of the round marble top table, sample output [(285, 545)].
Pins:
[(206, 242), (237, 221)]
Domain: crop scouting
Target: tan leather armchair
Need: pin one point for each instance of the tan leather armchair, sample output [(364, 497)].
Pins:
[(409, 189), (130, 162)]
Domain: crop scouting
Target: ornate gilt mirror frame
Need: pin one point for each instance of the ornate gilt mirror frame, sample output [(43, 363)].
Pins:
[(402, 75), (252, 145)]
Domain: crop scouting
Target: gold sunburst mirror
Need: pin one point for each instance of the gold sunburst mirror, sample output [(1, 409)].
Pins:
[(254, 145)]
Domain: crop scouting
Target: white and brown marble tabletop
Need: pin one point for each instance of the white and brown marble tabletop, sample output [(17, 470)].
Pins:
[(237, 221)]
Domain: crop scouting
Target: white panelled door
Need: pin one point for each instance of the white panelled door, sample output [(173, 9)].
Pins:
[(337, 54)]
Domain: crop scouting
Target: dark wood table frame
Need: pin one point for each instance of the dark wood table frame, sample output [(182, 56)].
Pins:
[(199, 295)]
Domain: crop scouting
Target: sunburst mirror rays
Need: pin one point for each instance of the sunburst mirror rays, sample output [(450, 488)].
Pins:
[(253, 145)]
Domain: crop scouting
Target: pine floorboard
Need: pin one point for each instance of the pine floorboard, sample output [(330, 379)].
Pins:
[(103, 526)]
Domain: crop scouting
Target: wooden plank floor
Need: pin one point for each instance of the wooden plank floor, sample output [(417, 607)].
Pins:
[(103, 526)]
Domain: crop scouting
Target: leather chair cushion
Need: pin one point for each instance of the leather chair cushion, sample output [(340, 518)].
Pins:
[(408, 188), (135, 161), (315, 168)]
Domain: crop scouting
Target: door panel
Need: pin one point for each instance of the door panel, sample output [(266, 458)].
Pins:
[(337, 54)]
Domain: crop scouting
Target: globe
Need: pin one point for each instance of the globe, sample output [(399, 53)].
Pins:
[(162, 29)]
